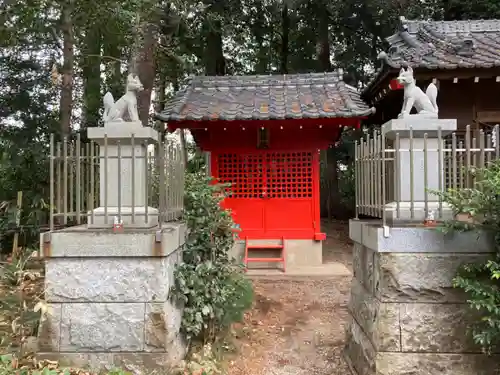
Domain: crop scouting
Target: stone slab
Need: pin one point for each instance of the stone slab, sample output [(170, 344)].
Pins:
[(122, 132), (162, 325), (102, 327), (379, 321), (363, 359), (414, 239), (419, 125), (412, 327), (363, 264), (359, 351), (436, 328), (49, 330), (434, 364), (109, 279), (417, 277), (83, 242)]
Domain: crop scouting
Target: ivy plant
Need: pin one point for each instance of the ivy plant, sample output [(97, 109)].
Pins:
[(208, 284), (478, 208)]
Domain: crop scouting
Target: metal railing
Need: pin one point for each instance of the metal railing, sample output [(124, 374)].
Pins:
[(380, 164), (78, 187)]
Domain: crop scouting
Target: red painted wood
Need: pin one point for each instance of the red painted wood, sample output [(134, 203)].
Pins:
[(275, 192), (395, 85), (265, 246), (319, 236), (288, 123), (267, 260), (244, 138)]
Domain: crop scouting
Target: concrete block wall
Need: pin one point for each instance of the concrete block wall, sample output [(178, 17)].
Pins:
[(109, 296), (405, 315)]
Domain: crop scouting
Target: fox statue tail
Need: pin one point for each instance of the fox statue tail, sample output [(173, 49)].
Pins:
[(108, 102), (432, 92)]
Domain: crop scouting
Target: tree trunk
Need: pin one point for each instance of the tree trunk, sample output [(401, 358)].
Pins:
[(324, 39), (142, 56), (332, 182), (160, 106), (160, 100), (185, 156), (215, 62), (285, 35), (331, 173), (66, 100), (142, 63), (147, 71), (113, 64), (91, 77), (262, 55)]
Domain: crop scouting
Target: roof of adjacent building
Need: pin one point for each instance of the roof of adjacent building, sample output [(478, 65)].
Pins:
[(441, 45), (265, 97)]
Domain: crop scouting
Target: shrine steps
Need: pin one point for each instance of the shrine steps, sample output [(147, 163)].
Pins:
[(265, 248)]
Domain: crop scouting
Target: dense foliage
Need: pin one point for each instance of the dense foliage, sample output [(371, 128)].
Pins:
[(480, 206), (211, 288)]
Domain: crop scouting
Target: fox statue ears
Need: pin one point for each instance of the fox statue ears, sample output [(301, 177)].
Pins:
[(132, 77), (133, 80), (408, 70)]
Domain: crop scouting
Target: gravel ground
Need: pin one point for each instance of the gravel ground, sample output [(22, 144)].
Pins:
[(297, 327)]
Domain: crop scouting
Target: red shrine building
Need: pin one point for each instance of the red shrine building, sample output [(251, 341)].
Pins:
[(264, 134)]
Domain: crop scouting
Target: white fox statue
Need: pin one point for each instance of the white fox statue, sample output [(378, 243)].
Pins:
[(114, 111), (425, 104)]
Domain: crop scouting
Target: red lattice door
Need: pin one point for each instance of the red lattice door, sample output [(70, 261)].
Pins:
[(273, 194)]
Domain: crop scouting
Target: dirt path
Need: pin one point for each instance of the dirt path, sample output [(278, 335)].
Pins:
[(297, 327)]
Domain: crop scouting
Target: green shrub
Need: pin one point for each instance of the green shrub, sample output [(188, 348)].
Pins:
[(481, 206), (211, 288)]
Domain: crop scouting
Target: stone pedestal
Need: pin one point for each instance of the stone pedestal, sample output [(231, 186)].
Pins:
[(405, 316), (403, 171), (109, 296), (124, 181)]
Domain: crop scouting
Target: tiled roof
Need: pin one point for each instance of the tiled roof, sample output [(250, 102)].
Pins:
[(265, 97), (442, 45)]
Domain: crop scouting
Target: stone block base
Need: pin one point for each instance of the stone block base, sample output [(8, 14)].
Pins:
[(364, 359), (109, 298), (298, 253), (405, 315)]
